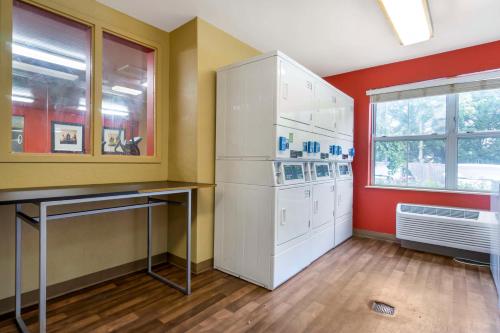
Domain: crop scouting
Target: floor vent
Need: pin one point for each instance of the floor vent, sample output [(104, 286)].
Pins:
[(383, 308)]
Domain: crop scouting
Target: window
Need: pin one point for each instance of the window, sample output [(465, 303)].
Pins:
[(127, 97), (51, 69), (447, 141)]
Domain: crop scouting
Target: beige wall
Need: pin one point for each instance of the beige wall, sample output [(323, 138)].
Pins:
[(83, 245), (213, 48), (182, 132)]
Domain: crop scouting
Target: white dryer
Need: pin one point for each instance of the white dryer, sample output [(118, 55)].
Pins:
[(263, 220)]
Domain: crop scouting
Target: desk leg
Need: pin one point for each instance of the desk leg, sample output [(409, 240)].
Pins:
[(42, 305), (150, 246), (188, 244), (19, 269), (187, 289)]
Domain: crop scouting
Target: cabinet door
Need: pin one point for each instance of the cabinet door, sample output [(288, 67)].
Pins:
[(323, 204), (324, 117), (345, 116), (344, 197), (294, 213), (296, 94)]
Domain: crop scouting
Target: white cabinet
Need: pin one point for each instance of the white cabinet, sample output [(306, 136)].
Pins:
[(296, 95), (345, 116), (323, 197), (343, 204), (294, 209), (324, 117)]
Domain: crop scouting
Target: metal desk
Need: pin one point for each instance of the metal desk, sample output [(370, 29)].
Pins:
[(60, 196)]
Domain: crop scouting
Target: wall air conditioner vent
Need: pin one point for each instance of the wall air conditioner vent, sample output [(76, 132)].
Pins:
[(441, 211), (446, 226)]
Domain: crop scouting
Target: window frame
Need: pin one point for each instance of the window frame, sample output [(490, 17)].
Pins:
[(450, 136), (97, 25)]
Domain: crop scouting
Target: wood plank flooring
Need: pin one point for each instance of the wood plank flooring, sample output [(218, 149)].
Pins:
[(431, 294)]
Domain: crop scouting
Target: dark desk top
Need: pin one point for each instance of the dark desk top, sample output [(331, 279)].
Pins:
[(25, 195)]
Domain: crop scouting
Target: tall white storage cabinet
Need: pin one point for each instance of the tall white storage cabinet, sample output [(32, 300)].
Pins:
[(280, 132)]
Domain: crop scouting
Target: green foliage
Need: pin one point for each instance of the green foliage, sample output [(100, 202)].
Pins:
[(478, 111)]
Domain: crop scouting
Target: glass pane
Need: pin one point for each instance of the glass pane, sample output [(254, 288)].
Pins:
[(418, 116), (391, 118), (426, 163), (479, 111), (50, 82), (410, 163), (478, 163), (390, 163), (127, 98)]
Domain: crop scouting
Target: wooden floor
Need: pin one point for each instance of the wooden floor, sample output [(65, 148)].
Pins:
[(431, 294)]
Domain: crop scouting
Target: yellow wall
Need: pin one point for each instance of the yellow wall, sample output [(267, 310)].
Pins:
[(214, 48), (89, 244), (187, 137), (182, 132)]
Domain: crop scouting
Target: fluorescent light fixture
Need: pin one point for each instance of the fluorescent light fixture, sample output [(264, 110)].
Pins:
[(114, 112), (43, 71), (144, 84), (22, 99), (23, 92), (410, 19), (115, 107), (48, 57), (126, 90), (39, 44)]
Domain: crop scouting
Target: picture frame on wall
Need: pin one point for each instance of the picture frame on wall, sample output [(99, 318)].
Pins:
[(67, 137), (111, 138)]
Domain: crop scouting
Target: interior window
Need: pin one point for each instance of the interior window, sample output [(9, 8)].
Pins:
[(127, 108), (51, 68)]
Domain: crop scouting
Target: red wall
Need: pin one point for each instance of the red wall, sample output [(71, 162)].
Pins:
[(37, 127), (375, 209)]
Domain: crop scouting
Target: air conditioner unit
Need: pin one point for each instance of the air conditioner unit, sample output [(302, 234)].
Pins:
[(464, 229)]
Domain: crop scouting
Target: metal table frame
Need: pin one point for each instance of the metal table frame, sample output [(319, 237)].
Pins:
[(40, 224)]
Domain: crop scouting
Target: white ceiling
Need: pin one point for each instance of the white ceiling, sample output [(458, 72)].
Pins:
[(327, 36)]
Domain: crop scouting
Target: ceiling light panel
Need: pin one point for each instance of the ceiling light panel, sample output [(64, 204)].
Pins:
[(410, 19), (126, 90), (43, 70), (47, 57)]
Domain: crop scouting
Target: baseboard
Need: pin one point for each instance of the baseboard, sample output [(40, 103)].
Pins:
[(58, 289), (375, 235), (196, 268)]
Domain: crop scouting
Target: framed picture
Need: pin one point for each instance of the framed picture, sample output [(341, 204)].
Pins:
[(111, 138), (17, 134), (67, 137)]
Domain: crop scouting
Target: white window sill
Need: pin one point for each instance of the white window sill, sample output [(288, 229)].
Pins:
[(425, 190)]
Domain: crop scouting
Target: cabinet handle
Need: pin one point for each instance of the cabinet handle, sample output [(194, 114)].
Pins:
[(285, 90), (283, 216), (316, 207)]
